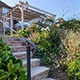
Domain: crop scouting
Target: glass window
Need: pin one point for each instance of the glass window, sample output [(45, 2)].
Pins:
[(6, 24), (5, 10)]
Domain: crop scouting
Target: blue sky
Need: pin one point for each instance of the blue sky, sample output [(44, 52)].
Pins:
[(62, 8)]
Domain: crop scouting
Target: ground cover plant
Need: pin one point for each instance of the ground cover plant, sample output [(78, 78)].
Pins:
[(10, 67)]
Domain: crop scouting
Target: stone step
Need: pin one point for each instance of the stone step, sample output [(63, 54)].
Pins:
[(8, 39), (34, 62), (16, 43), (48, 79), (18, 48), (22, 54), (38, 73)]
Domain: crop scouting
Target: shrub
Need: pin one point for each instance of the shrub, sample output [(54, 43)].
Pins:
[(71, 25), (10, 67), (74, 69), (29, 30), (41, 39), (48, 43), (69, 46)]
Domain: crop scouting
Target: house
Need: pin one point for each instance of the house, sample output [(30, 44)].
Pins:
[(4, 9), (59, 22)]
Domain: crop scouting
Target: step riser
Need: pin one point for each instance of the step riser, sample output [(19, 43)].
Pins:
[(14, 44), (8, 39), (37, 63), (40, 76), (33, 64), (23, 56), (19, 49), (17, 43)]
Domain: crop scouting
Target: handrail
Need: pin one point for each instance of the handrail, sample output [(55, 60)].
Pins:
[(25, 39)]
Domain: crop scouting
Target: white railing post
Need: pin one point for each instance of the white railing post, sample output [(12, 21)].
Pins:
[(11, 23), (4, 26), (22, 16), (53, 16)]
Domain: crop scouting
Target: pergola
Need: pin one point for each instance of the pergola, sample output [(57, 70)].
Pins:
[(25, 13)]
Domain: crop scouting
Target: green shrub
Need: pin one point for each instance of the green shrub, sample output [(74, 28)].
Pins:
[(69, 46), (74, 69), (71, 25), (10, 67), (29, 30), (48, 44), (54, 39), (41, 39)]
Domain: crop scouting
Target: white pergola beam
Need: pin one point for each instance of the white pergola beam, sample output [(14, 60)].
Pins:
[(22, 16), (45, 12), (11, 11), (29, 6), (39, 9), (4, 25)]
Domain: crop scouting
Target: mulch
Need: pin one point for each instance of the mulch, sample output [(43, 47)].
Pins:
[(60, 76)]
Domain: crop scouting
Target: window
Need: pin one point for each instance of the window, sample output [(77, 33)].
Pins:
[(6, 24), (5, 10)]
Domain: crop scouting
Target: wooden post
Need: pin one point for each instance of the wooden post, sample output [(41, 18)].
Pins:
[(22, 14), (11, 24)]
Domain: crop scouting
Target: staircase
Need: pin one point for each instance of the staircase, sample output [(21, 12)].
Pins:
[(19, 51)]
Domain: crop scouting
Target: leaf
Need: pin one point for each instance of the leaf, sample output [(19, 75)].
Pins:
[(22, 71), (4, 77), (23, 78), (0, 61), (19, 61), (5, 58), (14, 76), (10, 66), (1, 73), (16, 67)]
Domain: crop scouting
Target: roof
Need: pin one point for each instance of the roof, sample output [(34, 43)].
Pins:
[(28, 14), (2, 4)]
